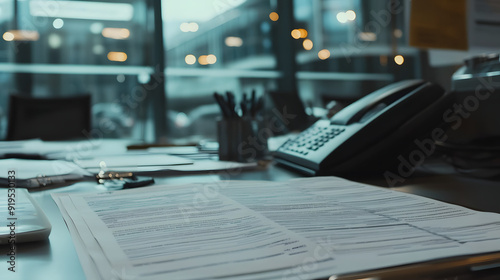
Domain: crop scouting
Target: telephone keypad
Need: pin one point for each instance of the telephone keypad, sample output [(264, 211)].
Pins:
[(312, 139)]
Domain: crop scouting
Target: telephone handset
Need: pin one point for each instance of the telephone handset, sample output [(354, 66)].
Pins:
[(367, 135)]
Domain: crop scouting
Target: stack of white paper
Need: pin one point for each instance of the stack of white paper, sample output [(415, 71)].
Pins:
[(36, 148), (128, 160), (141, 163), (300, 229), (40, 173)]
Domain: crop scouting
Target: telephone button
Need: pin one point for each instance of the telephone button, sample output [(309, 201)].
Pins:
[(314, 148)]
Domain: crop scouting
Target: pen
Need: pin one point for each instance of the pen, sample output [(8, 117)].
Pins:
[(244, 105), (123, 180), (231, 104), (226, 113), (137, 181)]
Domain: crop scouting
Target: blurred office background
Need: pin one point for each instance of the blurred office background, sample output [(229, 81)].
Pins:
[(324, 49)]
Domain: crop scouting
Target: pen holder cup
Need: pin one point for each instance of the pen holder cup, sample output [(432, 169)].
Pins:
[(242, 140)]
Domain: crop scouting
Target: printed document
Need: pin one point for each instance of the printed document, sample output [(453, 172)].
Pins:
[(147, 235), (298, 229)]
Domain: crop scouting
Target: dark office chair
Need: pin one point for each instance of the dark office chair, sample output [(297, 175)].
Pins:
[(48, 118), (289, 103)]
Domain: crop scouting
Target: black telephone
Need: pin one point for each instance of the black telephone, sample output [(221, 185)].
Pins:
[(367, 136)]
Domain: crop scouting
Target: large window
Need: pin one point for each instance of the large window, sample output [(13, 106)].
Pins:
[(324, 49), (61, 48), (341, 51), (215, 46), (351, 48)]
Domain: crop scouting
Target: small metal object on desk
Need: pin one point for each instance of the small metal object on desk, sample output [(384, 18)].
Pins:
[(121, 180)]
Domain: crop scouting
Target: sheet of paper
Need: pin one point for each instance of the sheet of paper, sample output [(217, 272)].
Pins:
[(89, 252), (354, 227), (27, 169), (197, 166), (156, 234), (179, 151), (36, 173), (366, 227), (189, 152), (23, 212), (31, 147), (131, 160), (48, 149)]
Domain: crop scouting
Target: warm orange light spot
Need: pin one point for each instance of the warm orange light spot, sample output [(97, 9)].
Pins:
[(399, 59), (274, 16), (21, 35), (324, 54), (307, 44), (117, 56), (296, 34), (115, 33), (8, 36), (303, 33), (203, 60)]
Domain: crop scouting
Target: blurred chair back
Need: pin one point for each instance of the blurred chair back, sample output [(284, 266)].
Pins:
[(48, 118), (289, 104)]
